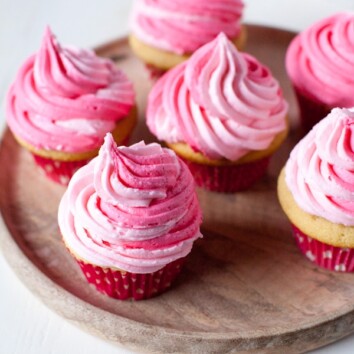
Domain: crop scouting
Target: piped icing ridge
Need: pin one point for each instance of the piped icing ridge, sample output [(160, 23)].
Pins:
[(221, 102), (320, 60), (132, 208), (182, 26), (320, 170), (67, 99)]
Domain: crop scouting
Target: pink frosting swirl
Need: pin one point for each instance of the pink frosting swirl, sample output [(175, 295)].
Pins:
[(67, 99), (220, 102), (182, 26), (132, 208), (320, 170), (320, 60)]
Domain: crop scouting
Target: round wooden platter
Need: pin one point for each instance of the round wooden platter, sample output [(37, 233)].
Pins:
[(245, 287)]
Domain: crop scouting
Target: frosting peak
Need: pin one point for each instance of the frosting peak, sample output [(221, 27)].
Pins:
[(320, 170), (221, 102), (67, 99), (208, 67), (134, 176), (132, 208), (63, 72)]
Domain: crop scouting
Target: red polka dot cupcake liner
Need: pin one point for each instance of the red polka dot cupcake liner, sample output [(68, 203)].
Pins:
[(62, 171), (228, 178), (326, 256), (58, 171), (311, 111), (125, 285), (154, 72)]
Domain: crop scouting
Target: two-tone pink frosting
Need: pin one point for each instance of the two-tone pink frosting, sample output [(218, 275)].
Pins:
[(221, 102), (132, 208), (67, 99), (182, 26), (320, 170), (320, 60)]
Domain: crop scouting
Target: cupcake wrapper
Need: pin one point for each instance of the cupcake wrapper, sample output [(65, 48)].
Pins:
[(62, 171), (326, 256), (124, 285), (311, 111), (229, 178), (154, 72), (58, 171)]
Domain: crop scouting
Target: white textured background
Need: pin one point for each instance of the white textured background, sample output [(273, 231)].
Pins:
[(27, 326)]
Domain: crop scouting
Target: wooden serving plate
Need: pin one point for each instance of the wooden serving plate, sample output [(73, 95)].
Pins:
[(245, 288)]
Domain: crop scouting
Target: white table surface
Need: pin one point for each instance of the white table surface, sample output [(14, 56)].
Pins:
[(26, 325)]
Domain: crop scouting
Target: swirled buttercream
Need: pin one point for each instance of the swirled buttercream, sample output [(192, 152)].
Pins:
[(132, 208), (182, 26), (320, 60), (320, 170), (221, 102), (67, 99)]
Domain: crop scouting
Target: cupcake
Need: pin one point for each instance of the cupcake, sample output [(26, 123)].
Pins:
[(165, 33), (129, 218), (320, 65), (223, 112), (316, 192), (62, 103)]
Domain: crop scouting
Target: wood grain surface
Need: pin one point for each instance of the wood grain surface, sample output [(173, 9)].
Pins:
[(245, 288)]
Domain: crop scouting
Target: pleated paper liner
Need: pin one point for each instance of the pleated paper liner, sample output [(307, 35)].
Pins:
[(330, 257), (125, 285), (311, 111), (228, 178)]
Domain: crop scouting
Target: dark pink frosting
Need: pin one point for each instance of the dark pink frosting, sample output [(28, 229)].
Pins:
[(320, 60), (67, 99)]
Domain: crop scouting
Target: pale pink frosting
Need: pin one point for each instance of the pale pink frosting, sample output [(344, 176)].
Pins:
[(221, 102), (320, 60), (182, 26), (320, 170), (67, 99), (132, 208)]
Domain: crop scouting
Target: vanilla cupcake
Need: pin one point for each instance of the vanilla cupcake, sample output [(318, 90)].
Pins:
[(223, 112), (165, 33), (129, 218), (62, 103), (316, 192), (320, 64)]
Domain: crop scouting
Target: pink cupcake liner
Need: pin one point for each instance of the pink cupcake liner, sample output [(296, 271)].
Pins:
[(62, 171), (228, 178), (58, 171), (326, 256), (311, 111), (124, 285), (154, 72)]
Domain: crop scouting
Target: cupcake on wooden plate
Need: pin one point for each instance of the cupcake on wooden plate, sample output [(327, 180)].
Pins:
[(316, 192), (129, 218), (223, 112), (62, 103), (165, 33), (320, 64)]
